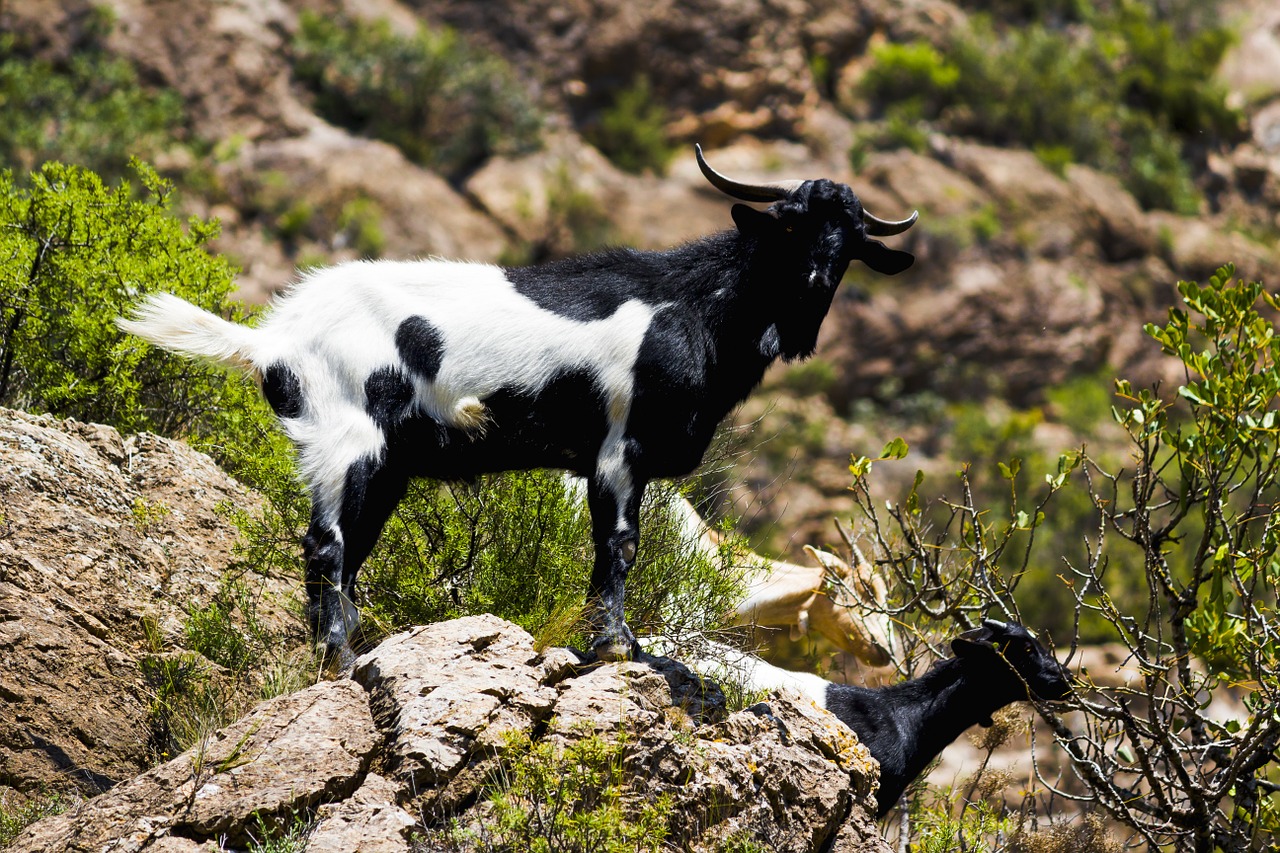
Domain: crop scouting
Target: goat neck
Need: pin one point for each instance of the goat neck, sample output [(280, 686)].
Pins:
[(907, 725)]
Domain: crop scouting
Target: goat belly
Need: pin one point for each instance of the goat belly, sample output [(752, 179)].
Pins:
[(562, 426)]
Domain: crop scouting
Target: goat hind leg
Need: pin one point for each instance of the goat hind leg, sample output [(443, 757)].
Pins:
[(335, 551), (322, 550), (615, 529)]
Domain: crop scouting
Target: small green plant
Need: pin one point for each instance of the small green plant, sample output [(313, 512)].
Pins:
[(443, 103), (576, 798), (187, 704), (276, 836), (13, 820), (213, 629), (147, 514), (632, 131)]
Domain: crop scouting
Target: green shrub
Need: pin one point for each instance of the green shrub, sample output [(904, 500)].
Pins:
[(88, 108), (632, 130), (77, 254), (445, 104), (1177, 561), (571, 799), (1126, 91), (13, 820), (518, 545)]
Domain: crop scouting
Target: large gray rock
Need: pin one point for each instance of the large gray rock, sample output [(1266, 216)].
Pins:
[(292, 753), (410, 748)]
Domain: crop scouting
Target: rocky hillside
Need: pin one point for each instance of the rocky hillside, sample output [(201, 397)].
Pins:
[(107, 546), (420, 733)]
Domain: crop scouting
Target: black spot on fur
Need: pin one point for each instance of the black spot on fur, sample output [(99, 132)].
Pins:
[(283, 391), (388, 394), (421, 345)]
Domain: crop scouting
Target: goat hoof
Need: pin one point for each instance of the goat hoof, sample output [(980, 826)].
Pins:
[(336, 659), (611, 650)]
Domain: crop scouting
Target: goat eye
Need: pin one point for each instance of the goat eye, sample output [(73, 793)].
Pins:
[(788, 229)]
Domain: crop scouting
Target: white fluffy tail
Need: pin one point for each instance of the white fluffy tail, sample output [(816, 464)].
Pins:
[(174, 324)]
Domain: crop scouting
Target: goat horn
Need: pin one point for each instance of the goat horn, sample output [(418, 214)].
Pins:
[(746, 192), (877, 227)]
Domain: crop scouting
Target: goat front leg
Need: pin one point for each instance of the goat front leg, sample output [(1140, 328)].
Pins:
[(615, 528)]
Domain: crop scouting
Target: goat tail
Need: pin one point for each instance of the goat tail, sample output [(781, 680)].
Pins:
[(174, 324)]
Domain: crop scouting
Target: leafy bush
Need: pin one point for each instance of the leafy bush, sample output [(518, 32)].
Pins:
[(1129, 92), (1196, 511), (632, 131), (77, 254), (571, 799), (445, 104), (88, 108), (519, 546)]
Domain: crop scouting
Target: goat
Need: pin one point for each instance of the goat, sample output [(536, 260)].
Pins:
[(845, 604), (906, 725), (616, 366)]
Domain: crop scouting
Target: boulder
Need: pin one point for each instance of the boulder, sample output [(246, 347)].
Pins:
[(411, 748)]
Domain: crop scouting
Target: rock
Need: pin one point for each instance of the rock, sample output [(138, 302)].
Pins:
[(100, 538), (450, 693), (1251, 68), (1196, 248), (227, 58), (290, 754), (1123, 232), (568, 197), (721, 68), (416, 212), (369, 821), (411, 744)]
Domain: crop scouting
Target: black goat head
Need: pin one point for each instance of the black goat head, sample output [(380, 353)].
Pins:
[(819, 218), (1012, 645)]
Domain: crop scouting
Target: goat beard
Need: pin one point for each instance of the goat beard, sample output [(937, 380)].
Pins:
[(796, 337)]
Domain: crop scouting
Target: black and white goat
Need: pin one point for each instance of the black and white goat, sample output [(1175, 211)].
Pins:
[(616, 366), (906, 725)]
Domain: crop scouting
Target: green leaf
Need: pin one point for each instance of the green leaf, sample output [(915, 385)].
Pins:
[(859, 466), (896, 449)]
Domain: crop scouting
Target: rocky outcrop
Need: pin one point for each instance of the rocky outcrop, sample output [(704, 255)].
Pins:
[(106, 544), (413, 744)]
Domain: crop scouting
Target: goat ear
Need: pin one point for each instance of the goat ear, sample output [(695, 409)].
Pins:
[(972, 642), (752, 222), (884, 260)]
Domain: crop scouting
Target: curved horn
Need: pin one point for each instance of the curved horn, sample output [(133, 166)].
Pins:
[(877, 227), (746, 192)]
